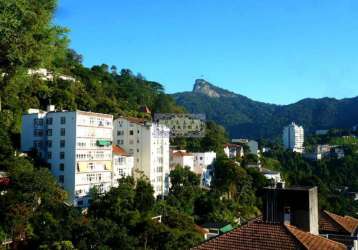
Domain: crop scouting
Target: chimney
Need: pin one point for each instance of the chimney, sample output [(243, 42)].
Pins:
[(50, 108), (295, 206)]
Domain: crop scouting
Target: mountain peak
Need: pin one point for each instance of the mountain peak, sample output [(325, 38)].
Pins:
[(204, 87)]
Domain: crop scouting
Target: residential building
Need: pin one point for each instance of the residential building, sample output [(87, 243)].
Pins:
[(293, 137), (148, 143), (290, 222), (233, 150), (203, 165), (253, 147), (274, 176), (202, 160), (77, 146), (181, 158), (122, 164), (319, 152)]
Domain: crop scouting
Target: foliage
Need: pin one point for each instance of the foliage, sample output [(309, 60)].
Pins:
[(332, 176), (246, 118)]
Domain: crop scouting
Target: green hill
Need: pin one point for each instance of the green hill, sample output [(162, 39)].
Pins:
[(244, 117)]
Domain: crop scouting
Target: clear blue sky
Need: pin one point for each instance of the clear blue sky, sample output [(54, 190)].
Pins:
[(276, 51)]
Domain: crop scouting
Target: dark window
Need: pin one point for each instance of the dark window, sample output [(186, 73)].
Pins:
[(49, 132), (62, 166), (61, 179), (49, 144), (49, 155), (49, 121), (63, 131), (138, 131), (62, 155), (131, 132), (62, 143), (79, 203), (63, 120)]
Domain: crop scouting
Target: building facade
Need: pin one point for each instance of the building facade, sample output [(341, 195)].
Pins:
[(77, 147), (122, 165), (148, 143), (293, 137), (182, 158)]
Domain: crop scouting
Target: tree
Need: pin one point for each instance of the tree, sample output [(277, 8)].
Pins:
[(144, 196), (27, 37), (184, 189)]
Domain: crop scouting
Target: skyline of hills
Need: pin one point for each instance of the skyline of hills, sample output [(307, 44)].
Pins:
[(244, 117)]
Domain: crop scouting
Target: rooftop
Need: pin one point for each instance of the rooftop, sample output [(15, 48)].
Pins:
[(119, 151), (269, 236), (330, 222)]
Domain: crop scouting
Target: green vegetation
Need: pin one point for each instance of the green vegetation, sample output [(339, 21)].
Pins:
[(332, 176), (246, 118)]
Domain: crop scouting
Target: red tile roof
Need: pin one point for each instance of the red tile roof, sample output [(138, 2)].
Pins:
[(119, 151), (269, 236), (314, 242), (181, 153), (335, 223)]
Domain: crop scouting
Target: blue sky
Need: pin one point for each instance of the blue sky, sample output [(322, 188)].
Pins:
[(275, 51)]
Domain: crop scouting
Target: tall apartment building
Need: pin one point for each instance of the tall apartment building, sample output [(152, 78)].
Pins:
[(293, 137), (148, 143), (77, 146)]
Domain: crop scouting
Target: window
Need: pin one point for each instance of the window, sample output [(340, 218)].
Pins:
[(119, 142), (137, 150), (49, 155), (63, 131), (137, 131), (61, 178), (79, 203), (63, 120), (62, 166), (49, 121), (138, 141), (159, 178), (49, 132), (49, 144), (159, 169), (62, 155), (131, 132), (62, 143)]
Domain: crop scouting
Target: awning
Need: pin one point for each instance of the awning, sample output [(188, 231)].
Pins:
[(103, 143)]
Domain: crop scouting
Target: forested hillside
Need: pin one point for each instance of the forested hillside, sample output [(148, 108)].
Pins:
[(243, 117)]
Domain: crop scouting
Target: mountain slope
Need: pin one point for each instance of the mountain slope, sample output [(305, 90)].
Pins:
[(243, 117)]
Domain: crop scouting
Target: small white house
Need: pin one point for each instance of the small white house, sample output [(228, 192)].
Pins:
[(275, 176), (233, 150), (182, 158), (122, 164)]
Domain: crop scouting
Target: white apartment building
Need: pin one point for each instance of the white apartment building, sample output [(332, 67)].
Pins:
[(77, 145), (148, 143), (182, 158), (293, 137), (122, 164), (203, 160)]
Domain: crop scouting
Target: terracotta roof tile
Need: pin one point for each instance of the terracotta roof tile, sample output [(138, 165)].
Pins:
[(314, 242), (119, 151), (348, 223), (254, 235), (181, 153), (269, 236)]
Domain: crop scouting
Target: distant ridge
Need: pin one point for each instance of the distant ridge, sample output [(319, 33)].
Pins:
[(244, 117)]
